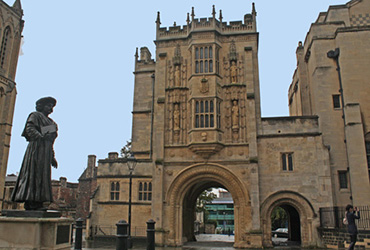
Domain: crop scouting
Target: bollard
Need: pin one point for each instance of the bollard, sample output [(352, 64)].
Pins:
[(121, 242), (150, 235), (78, 238)]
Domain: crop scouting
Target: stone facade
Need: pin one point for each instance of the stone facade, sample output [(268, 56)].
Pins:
[(11, 26), (339, 97), (197, 124)]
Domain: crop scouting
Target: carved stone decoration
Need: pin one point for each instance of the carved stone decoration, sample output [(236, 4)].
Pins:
[(235, 113), (204, 136), (177, 76), (226, 71), (184, 72), (241, 70), (232, 52), (177, 57), (233, 72), (204, 86), (235, 120), (170, 74), (176, 116)]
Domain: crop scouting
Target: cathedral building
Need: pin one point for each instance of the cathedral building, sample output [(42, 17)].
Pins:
[(11, 26)]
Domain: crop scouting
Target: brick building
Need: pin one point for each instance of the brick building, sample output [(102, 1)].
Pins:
[(64, 196)]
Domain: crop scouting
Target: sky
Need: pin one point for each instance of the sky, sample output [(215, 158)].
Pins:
[(82, 53)]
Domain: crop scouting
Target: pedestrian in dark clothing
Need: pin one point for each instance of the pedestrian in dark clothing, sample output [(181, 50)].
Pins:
[(351, 215)]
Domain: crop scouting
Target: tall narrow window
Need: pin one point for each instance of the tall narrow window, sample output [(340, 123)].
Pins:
[(336, 101), (367, 143), (145, 191), (204, 114), (203, 59), (287, 161), (217, 61), (343, 183), (4, 46), (114, 191)]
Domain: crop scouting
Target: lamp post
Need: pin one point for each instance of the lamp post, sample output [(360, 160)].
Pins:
[(131, 164)]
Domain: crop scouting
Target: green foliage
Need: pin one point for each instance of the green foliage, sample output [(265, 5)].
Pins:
[(204, 198), (279, 218), (126, 150)]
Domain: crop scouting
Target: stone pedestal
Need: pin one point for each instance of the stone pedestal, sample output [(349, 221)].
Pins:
[(39, 232)]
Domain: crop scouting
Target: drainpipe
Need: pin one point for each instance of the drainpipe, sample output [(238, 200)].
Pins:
[(152, 119), (334, 54)]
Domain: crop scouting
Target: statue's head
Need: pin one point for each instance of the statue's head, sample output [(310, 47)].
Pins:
[(45, 101)]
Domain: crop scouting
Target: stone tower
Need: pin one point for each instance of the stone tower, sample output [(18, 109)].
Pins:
[(11, 26), (196, 125)]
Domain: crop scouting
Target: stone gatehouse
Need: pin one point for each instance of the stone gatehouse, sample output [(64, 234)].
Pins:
[(197, 124)]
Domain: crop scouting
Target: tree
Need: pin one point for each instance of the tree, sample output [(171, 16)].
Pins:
[(279, 218), (204, 198), (126, 150)]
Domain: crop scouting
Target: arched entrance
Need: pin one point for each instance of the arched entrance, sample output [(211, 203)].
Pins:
[(182, 195), (300, 217)]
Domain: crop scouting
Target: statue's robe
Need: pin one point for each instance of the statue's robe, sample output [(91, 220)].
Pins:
[(34, 180)]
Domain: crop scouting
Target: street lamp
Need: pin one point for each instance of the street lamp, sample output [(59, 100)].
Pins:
[(131, 164)]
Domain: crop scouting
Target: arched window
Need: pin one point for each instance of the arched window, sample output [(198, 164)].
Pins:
[(4, 46)]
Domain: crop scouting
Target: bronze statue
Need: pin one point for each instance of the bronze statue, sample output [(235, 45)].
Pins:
[(33, 185)]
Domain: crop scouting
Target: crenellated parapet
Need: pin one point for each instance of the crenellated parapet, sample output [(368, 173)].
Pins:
[(248, 25)]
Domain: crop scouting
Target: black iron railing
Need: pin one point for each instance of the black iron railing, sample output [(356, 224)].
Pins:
[(332, 217), (99, 230)]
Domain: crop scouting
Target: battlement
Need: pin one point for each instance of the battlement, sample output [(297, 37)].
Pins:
[(207, 24)]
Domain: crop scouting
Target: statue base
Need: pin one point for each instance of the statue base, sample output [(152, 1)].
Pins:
[(38, 232)]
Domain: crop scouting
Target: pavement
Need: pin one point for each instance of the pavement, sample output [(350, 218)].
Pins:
[(204, 242)]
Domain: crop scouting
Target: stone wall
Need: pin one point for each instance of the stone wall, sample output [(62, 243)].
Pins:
[(339, 238)]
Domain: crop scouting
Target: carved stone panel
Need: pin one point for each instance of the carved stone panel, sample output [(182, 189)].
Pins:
[(176, 116), (235, 113)]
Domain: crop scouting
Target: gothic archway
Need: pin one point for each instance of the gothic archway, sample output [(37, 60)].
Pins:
[(186, 186), (301, 217)]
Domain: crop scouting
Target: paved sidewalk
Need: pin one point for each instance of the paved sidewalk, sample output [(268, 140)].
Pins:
[(204, 242)]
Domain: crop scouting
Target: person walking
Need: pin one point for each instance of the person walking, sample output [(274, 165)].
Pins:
[(351, 215)]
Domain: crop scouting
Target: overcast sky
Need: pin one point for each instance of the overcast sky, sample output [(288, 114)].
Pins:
[(82, 53)]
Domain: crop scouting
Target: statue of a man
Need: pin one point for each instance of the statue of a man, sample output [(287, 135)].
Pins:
[(235, 115), (176, 117), (177, 76), (33, 185), (233, 72)]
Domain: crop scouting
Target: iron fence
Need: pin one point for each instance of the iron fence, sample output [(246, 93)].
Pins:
[(99, 230), (332, 217)]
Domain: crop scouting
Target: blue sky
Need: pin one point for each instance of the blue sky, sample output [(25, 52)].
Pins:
[(82, 53)]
